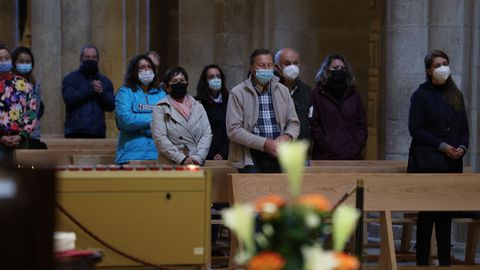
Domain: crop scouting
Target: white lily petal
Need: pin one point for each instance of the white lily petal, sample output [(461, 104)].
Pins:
[(292, 156), (315, 258), (241, 220), (344, 220)]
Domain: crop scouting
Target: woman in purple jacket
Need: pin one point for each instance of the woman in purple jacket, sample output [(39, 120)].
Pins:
[(338, 125)]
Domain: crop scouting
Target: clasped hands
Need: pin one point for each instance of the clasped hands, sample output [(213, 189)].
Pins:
[(454, 153), (190, 161), (11, 141), (97, 86), (271, 146)]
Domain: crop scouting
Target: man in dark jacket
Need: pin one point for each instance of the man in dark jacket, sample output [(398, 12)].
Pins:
[(287, 63), (87, 95)]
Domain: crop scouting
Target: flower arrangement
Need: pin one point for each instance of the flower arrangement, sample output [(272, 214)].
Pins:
[(277, 235)]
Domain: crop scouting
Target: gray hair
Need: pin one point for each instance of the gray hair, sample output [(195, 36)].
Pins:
[(89, 46)]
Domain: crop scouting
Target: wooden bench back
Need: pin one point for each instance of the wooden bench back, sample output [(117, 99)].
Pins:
[(54, 157), (90, 159), (392, 192), (81, 144), (383, 193)]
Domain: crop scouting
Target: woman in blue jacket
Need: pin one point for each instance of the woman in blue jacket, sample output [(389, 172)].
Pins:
[(134, 102)]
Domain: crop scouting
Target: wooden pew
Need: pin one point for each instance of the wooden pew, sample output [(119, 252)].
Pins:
[(384, 193), (90, 159), (94, 144), (49, 157)]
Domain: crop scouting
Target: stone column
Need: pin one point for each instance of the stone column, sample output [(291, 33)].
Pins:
[(136, 27), (406, 45), (414, 28), (454, 33), (75, 27), (118, 29), (230, 51), (474, 71), (9, 23), (196, 38), (47, 48)]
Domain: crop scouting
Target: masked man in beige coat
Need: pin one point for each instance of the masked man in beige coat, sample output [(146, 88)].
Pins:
[(260, 115)]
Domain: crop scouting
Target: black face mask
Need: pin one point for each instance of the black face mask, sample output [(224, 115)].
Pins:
[(179, 90), (338, 75), (89, 67), (337, 84)]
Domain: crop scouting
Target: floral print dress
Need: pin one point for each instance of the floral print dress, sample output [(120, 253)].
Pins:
[(17, 106)]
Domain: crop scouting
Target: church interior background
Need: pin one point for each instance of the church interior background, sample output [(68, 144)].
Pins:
[(384, 40)]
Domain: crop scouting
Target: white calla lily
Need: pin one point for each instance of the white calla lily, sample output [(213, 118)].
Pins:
[(241, 220), (292, 156), (344, 220), (315, 258)]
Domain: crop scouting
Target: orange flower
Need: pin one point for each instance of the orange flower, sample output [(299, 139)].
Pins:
[(266, 260), (264, 203), (315, 201), (346, 262)]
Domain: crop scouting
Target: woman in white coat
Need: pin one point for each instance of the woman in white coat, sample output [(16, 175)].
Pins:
[(180, 126)]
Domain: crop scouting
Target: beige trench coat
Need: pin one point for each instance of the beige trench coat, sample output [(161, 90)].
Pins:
[(176, 138)]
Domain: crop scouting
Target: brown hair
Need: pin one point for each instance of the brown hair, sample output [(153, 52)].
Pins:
[(452, 95)]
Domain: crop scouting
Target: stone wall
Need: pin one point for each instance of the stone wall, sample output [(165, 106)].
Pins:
[(226, 32), (385, 42), (118, 28), (414, 27)]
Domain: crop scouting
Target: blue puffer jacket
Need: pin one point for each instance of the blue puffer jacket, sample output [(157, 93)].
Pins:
[(133, 114), (85, 107)]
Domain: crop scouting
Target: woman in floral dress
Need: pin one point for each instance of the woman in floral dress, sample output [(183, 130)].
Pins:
[(17, 107)]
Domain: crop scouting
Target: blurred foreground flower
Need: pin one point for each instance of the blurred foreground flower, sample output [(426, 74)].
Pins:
[(290, 237), (346, 262), (292, 156), (344, 221), (268, 206), (315, 201), (315, 258), (267, 261), (241, 220)]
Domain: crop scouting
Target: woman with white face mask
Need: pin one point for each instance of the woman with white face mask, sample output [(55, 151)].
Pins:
[(438, 125), (134, 103), (213, 95)]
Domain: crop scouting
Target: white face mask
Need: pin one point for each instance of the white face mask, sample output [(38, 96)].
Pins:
[(291, 72), (441, 74), (146, 76)]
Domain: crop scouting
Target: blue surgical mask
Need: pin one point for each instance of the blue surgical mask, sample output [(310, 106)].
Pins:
[(264, 75), (24, 68), (215, 84), (6, 66)]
